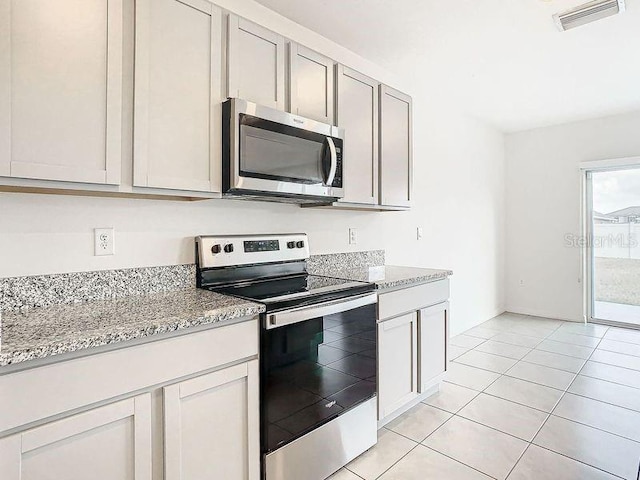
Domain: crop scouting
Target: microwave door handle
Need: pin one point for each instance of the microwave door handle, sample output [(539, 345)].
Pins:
[(334, 161)]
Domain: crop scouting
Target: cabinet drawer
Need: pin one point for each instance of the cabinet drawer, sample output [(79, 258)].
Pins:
[(413, 298)]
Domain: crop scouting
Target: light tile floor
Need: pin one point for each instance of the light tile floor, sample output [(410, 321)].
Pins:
[(525, 398)]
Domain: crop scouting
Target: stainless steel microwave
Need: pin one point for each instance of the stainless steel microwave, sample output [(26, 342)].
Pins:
[(274, 155)]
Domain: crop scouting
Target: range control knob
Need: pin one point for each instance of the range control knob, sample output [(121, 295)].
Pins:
[(228, 247), (291, 244), (216, 249), (299, 244)]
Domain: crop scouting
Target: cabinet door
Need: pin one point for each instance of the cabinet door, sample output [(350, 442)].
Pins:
[(311, 86), (396, 148), (357, 113), (178, 95), (256, 63), (433, 331), (397, 363), (211, 426), (106, 443), (61, 90)]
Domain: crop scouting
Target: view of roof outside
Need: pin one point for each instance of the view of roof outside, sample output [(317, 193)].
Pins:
[(616, 244)]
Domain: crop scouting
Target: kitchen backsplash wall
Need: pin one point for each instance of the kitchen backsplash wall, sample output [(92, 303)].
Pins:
[(46, 290), (334, 263)]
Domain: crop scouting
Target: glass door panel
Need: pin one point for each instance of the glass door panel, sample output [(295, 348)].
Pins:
[(615, 246)]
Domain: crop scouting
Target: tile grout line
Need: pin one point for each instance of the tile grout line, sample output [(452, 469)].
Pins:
[(557, 416), (548, 414), (564, 393), (518, 403), (608, 381), (541, 425), (597, 428), (458, 461), (582, 395), (437, 451), (586, 424), (614, 365)]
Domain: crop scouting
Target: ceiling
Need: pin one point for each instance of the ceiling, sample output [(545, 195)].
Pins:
[(502, 61)]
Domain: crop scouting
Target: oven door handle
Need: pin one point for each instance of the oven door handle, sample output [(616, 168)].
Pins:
[(296, 315)]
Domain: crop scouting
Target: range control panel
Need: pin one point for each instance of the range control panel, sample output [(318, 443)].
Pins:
[(261, 245), (226, 251)]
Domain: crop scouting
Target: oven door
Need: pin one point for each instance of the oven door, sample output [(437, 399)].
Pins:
[(278, 153), (318, 365)]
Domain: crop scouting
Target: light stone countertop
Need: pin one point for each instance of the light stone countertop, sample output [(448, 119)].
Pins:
[(35, 333), (391, 276)]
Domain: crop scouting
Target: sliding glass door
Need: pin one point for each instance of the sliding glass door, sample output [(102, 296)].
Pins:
[(613, 258)]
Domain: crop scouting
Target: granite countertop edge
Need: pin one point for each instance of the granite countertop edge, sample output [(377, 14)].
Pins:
[(119, 335), (427, 276), (386, 277)]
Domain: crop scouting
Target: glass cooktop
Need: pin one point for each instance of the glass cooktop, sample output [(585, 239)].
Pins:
[(295, 290)]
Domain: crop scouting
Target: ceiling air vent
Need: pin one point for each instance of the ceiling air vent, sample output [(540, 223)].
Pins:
[(587, 13)]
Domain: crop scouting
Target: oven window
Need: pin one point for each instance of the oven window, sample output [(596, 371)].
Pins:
[(314, 370), (276, 152)]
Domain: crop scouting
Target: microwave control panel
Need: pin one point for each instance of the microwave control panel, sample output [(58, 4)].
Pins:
[(337, 180)]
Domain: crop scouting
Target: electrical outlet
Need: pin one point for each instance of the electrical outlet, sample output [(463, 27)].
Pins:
[(353, 236), (104, 240), (419, 233)]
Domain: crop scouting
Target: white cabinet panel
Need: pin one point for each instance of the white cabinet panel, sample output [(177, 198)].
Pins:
[(177, 143), (311, 83), (357, 113), (397, 363), (391, 304), (396, 148), (433, 331), (211, 426), (61, 89), (255, 63), (106, 443)]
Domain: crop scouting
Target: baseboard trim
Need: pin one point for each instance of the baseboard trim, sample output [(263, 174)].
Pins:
[(542, 314)]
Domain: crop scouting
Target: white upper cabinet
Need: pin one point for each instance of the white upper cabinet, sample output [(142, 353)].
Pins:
[(357, 113), (61, 90), (396, 148), (311, 84), (256, 60), (178, 95)]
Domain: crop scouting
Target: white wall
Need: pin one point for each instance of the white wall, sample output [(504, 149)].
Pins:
[(543, 205), (459, 201)]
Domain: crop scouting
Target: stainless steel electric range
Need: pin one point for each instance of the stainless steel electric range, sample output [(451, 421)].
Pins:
[(317, 352)]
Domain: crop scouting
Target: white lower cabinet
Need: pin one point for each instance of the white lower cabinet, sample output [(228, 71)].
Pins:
[(412, 346), (433, 331), (186, 409), (106, 443), (398, 362), (211, 426)]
